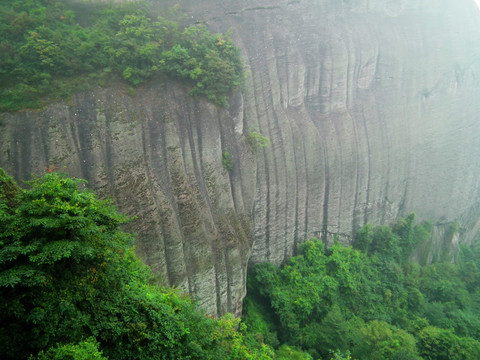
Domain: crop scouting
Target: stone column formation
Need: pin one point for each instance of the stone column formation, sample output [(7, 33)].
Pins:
[(372, 110)]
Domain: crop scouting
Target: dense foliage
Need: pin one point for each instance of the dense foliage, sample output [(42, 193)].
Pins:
[(369, 301), (46, 53), (72, 288)]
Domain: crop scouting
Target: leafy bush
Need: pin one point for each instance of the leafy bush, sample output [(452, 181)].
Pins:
[(85, 350)]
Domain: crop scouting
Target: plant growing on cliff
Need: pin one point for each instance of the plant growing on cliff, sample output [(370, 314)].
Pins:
[(72, 287), (227, 161), (257, 140), (46, 54)]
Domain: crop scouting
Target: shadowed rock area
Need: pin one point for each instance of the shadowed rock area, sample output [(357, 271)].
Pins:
[(371, 107)]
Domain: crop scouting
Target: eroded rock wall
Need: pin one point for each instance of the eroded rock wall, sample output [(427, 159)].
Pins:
[(372, 112), (159, 155)]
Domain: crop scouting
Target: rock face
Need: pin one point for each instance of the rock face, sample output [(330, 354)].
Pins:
[(159, 155), (371, 108)]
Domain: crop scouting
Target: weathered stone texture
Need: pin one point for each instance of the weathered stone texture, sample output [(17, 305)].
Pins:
[(159, 155), (372, 112), (371, 108)]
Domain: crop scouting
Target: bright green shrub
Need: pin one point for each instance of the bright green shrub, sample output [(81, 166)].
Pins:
[(85, 350)]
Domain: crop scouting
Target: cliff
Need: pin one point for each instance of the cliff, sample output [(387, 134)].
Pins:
[(371, 110)]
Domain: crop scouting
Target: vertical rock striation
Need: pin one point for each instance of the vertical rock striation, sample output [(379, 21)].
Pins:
[(159, 155), (372, 112)]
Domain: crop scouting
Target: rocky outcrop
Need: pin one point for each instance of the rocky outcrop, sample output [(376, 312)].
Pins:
[(372, 112)]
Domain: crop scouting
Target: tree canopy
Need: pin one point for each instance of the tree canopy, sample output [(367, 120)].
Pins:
[(369, 301)]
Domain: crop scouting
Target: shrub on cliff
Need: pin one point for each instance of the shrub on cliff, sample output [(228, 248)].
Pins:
[(46, 54)]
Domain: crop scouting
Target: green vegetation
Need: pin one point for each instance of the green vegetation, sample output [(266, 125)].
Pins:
[(72, 288), (227, 161), (45, 53), (369, 301), (257, 140)]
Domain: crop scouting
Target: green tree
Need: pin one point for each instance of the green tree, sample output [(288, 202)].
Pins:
[(380, 340), (410, 234), (336, 332), (443, 344), (136, 47)]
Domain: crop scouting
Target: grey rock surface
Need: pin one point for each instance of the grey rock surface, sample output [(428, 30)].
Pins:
[(371, 107), (159, 155)]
